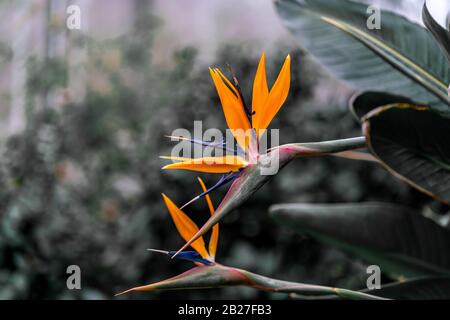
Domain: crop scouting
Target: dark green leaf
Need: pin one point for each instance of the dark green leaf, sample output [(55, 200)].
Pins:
[(402, 242), (441, 35), (362, 103), (401, 58), (413, 144)]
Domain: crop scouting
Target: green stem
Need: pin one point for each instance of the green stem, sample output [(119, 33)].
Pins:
[(273, 285), (312, 149)]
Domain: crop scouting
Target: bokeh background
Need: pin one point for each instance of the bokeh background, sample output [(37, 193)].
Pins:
[(83, 116)]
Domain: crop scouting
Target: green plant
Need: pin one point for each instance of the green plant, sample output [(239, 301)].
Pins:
[(404, 120)]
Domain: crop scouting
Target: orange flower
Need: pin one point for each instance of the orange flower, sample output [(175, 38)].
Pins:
[(246, 126), (187, 229)]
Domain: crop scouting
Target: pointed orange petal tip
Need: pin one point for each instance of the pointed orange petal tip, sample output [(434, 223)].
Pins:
[(260, 91), (277, 96), (175, 158), (262, 59), (213, 72)]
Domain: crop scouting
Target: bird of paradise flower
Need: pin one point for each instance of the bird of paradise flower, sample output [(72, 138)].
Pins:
[(210, 274), (247, 127)]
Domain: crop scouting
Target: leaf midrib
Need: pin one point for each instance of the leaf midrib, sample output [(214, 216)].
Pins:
[(438, 88), (342, 25)]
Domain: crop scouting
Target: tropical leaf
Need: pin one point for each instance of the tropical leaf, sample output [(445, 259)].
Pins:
[(217, 276), (412, 142), (363, 102), (401, 58), (402, 242), (441, 34), (430, 288)]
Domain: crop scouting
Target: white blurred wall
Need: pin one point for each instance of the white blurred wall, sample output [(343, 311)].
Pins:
[(207, 24)]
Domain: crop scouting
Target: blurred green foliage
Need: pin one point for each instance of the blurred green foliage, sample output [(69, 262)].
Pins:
[(82, 184)]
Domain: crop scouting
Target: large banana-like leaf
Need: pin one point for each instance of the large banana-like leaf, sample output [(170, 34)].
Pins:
[(401, 58), (398, 239), (441, 34), (412, 142)]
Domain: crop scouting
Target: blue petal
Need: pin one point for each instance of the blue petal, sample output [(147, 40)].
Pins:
[(190, 256), (225, 179)]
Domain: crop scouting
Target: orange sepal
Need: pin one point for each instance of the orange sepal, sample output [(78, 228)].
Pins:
[(185, 226)]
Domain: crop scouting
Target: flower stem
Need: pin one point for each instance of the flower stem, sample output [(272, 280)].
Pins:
[(274, 285), (312, 149)]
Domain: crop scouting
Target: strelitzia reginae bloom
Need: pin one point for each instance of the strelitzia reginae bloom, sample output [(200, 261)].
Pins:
[(187, 228), (210, 274), (245, 165), (247, 126)]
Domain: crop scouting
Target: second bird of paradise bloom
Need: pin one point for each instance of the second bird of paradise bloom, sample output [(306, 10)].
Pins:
[(209, 274), (247, 126), (187, 229)]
